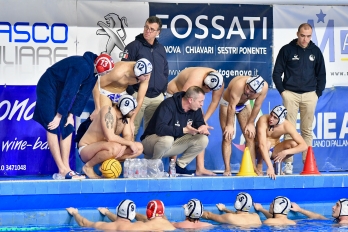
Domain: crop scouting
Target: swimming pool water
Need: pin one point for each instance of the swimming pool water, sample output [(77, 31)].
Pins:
[(303, 225)]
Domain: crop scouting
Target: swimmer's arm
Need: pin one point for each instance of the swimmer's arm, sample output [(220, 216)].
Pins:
[(127, 132), (215, 217), (106, 212), (262, 126), (301, 144), (258, 103), (140, 217), (296, 208), (140, 97), (84, 222), (258, 207), (216, 96)]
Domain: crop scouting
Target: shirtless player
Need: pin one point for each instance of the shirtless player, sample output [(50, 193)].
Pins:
[(235, 100), (270, 127), (102, 140)]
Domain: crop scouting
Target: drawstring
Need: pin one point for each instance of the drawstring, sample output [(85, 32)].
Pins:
[(124, 119)]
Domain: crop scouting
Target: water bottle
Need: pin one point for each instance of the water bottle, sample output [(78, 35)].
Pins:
[(126, 168), (131, 169), (57, 176), (172, 169), (143, 168), (137, 167)]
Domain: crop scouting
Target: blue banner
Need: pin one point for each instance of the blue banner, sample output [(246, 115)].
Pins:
[(233, 39), (24, 149)]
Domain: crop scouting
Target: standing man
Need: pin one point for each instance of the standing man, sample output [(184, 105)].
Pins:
[(269, 128), (62, 93), (177, 127), (209, 80), (303, 66), (147, 46), (235, 101)]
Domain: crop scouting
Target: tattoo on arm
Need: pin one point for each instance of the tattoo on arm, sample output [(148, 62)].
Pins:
[(109, 119)]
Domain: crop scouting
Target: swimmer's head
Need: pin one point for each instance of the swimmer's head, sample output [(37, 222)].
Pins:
[(214, 80), (280, 205), (255, 84), (243, 202), (142, 69), (126, 209), (154, 208), (103, 64), (193, 209), (280, 113), (340, 208)]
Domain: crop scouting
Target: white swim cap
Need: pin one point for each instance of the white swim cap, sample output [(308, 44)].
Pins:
[(142, 66), (126, 104), (344, 207), (281, 113), (281, 205), (194, 209), (256, 83), (126, 209), (243, 202), (214, 80)]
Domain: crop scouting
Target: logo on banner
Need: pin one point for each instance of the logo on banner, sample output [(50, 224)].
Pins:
[(114, 29)]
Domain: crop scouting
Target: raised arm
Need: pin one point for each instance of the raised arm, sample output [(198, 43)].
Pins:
[(106, 212), (222, 208), (296, 208), (215, 217), (258, 207)]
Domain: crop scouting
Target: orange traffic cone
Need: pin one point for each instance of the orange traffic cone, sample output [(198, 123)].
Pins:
[(246, 167), (310, 165)]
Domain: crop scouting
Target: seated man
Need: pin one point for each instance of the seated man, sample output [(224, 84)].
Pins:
[(154, 219), (193, 212), (177, 127), (278, 211), (339, 211), (270, 127), (209, 80), (125, 214), (242, 217), (235, 101), (102, 140)]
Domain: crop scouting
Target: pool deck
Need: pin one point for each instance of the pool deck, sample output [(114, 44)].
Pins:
[(42, 201)]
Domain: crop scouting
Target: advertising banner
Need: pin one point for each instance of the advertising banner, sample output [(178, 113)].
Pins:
[(330, 34), (24, 149), (233, 39), (330, 133), (32, 41)]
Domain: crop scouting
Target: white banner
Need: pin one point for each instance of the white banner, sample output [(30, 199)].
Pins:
[(108, 26), (34, 34), (330, 34)]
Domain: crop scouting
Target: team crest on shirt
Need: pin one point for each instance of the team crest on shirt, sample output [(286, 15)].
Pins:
[(189, 122), (177, 123), (295, 57), (311, 57)]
